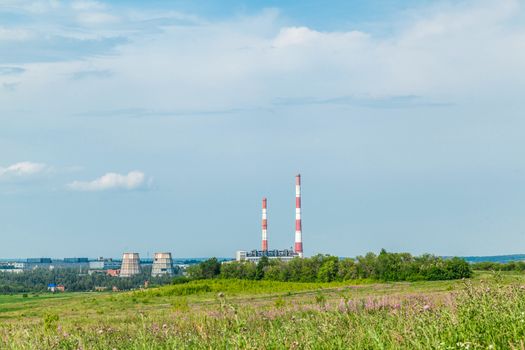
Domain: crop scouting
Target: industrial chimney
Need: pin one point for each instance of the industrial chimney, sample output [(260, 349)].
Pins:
[(298, 225), (130, 265), (162, 265), (264, 226)]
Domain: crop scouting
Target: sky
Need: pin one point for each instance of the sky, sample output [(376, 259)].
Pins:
[(159, 126)]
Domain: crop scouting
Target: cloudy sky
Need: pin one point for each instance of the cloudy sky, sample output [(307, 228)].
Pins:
[(127, 126)]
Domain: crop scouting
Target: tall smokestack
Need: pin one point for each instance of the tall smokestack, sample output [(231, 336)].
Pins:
[(298, 226), (264, 227)]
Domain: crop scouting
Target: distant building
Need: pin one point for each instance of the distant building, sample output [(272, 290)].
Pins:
[(76, 260), (11, 268), (241, 255), (113, 272), (105, 264), (130, 265), (162, 265), (39, 260), (256, 255), (48, 263), (54, 288), (285, 254)]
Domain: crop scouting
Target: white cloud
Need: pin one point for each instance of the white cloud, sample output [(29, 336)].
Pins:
[(111, 181), (295, 36), (23, 170), (14, 34), (87, 5), (473, 51), (33, 6), (96, 18)]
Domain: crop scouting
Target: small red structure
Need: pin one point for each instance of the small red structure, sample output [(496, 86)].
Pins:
[(113, 272)]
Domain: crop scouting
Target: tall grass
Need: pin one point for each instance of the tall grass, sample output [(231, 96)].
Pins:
[(239, 287), (484, 316)]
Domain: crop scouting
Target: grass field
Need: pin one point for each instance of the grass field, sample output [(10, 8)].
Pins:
[(487, 312)]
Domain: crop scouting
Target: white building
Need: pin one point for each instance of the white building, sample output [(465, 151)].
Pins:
[(256, 255)]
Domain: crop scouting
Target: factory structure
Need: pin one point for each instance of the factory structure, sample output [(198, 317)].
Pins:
[(162, 265), (130, 265), (284, 254)]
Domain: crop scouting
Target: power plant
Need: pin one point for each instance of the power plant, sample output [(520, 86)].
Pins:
[(284, 254), (130, 265), (162, 265)]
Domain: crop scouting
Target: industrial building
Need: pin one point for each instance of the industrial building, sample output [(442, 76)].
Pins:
[(12, 267), (105, 264), (284, 254), (162, 265), (130, 265), (44, 263)]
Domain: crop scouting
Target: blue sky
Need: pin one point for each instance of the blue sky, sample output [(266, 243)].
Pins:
[(159, 126)]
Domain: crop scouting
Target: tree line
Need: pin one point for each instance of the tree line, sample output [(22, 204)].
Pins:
[(496, 266), (384, 266)]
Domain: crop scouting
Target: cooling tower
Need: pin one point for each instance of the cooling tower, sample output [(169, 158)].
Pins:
[(162, 265), (130, 265)]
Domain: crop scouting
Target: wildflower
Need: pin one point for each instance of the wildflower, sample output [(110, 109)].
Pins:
[(351, 305), (369, 305), (342, 306)]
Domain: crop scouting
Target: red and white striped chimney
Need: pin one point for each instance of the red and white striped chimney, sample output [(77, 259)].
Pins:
[(298, 226), (264, 226)]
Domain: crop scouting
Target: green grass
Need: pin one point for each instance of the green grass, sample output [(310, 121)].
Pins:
[(485, 312)]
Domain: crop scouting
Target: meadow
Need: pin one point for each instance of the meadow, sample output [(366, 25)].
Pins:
[(484, 312)]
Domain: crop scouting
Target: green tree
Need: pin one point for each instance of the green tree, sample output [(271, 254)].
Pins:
[(328, 271), (210, 268), (261, 266)]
